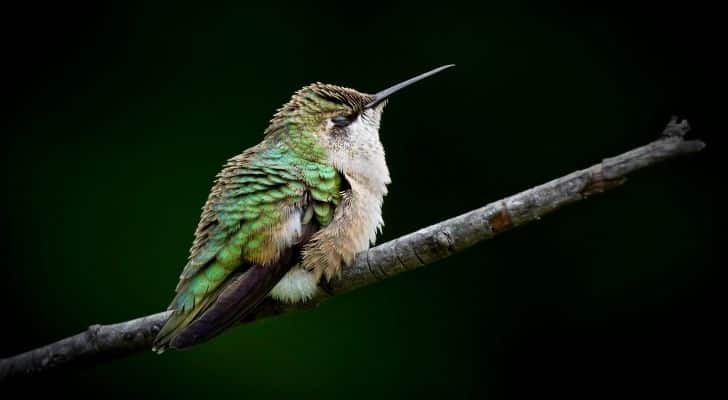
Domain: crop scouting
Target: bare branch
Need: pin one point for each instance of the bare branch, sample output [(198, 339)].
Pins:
[(411, 251)]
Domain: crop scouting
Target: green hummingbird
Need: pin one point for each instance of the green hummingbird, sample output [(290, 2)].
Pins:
[(287, 212)]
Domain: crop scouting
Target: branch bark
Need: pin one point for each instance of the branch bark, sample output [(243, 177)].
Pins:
[(409, 252)]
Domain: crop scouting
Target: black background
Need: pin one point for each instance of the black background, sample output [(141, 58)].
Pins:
[(120, 114)]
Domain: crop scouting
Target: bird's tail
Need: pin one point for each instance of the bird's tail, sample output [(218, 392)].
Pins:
[(239, 294), (180, 318), (215, 299)]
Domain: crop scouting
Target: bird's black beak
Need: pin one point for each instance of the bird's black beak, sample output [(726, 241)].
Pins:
[(380, 96)]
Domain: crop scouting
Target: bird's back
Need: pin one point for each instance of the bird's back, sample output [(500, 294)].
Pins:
[(265, 204)]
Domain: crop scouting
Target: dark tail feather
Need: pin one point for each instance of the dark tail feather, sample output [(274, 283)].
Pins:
[(161, 342), (178, 321), (241, 293)]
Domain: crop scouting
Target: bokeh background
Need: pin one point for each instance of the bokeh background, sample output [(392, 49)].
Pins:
[(122, 114)]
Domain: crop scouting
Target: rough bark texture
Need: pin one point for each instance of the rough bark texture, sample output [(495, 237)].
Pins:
[(417, 249)]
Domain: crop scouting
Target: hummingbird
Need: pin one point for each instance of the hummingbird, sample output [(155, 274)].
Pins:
[(287, 213)]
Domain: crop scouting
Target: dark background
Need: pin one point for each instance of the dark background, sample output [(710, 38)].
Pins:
[(120, 116)]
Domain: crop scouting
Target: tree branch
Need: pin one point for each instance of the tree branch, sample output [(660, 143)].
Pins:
[(411, 251)]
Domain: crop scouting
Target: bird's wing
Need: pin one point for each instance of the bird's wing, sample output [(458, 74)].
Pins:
[(261, 210), (238, 296)]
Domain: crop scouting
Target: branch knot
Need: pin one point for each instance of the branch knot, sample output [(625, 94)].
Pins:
[(676, 128)]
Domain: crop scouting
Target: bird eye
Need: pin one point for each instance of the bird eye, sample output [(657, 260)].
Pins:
[(343, 120)]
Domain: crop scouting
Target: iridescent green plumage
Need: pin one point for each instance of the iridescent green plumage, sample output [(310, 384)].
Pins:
[(253, 196), (286, 213)]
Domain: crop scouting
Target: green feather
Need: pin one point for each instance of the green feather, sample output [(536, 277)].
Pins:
[(246, 205)]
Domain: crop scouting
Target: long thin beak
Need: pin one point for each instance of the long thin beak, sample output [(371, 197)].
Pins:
[(380, 96)]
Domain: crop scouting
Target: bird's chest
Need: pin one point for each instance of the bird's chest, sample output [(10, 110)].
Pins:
[(359, 217), (362, 214), (353, 228)]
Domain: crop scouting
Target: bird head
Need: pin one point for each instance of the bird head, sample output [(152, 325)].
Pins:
[(336, 124)]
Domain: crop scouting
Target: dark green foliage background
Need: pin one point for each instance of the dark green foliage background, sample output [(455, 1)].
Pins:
[(126, 112)]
